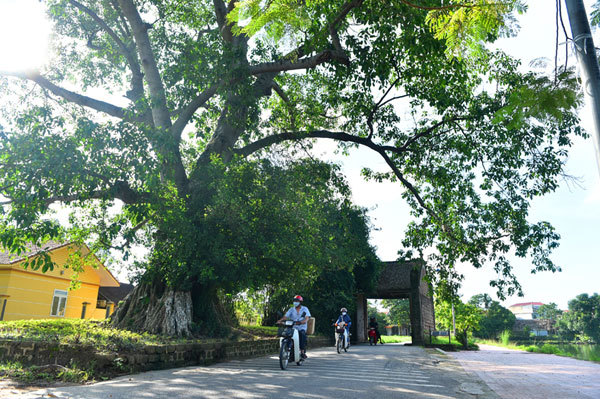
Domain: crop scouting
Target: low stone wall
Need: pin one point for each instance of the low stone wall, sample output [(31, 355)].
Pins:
[(151, 357)]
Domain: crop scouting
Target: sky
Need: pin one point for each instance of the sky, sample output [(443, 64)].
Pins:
[(574, 210)]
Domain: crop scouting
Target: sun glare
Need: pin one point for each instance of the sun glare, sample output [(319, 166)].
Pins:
[(24, 32)]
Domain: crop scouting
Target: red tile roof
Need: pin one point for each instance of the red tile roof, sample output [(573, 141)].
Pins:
[(526, 303)]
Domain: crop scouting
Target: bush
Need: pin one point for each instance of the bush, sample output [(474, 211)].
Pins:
[(505, 337), (546, 348), (521, 335)]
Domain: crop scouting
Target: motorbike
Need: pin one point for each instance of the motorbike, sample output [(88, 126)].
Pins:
[(372, 336), (289, 344), (341, 337)]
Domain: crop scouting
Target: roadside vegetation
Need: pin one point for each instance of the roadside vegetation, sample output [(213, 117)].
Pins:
[(47, 374), (573, 333), (99, 335), (104, 337), (579, 351), (455, 343), (395, 339)]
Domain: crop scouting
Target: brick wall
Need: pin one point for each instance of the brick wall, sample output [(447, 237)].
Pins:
[(150, 357)]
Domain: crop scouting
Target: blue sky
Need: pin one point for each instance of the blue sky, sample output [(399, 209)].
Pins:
[(573, 210)]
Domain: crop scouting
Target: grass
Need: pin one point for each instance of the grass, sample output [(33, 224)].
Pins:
[(505, 337), (41, 375), (260, 331), (454, 342), (98, 334), (395, 339), (581, 352), (389, 339), (104, 337)]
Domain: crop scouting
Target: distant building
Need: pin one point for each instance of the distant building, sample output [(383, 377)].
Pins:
[(539, 328), (525, 310)]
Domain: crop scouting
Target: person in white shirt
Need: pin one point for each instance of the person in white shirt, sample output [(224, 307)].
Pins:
[(300, 314)]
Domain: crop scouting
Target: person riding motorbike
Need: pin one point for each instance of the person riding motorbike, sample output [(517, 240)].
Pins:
[(295, 313), (346, 319), (373, 324)]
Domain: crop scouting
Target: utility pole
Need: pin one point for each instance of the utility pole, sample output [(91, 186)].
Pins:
[(453, 321), (586, 55)]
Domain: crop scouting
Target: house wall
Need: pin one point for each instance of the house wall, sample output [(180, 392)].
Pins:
[(31, 291), (526, 312)]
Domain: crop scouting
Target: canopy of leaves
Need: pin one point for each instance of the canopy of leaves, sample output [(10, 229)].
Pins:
[(196, 154), (482, 301), (398, 311), (583, 318), (495, 319), (549, 311), (466, 316)]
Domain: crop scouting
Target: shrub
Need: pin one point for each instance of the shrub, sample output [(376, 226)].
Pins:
[(505, 337)]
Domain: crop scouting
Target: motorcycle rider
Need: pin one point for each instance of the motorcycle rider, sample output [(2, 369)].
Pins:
[(346, 319), (373, 324), (295, 314)]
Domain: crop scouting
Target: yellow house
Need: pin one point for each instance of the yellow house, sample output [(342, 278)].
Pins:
[(32, 294)]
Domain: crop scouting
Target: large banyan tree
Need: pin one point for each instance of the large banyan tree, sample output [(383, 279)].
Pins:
[(183, 126)]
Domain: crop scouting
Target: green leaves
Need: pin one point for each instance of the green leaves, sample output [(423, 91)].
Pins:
[(471, 138), (583, 318), (279, 17), (466, 316), (495, 318), (466, 25), (257, 224)]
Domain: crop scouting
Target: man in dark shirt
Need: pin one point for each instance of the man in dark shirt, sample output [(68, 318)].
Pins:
[(373, 324)]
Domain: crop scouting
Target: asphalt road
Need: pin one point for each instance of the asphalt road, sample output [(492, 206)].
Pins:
[(388, 371)]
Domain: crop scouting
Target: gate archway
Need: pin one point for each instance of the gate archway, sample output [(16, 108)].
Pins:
[(401, 280)]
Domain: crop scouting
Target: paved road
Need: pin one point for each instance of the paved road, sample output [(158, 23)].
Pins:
[(516, 374), (388, 371)]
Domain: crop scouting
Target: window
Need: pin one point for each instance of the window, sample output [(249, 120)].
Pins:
[(59, 303)]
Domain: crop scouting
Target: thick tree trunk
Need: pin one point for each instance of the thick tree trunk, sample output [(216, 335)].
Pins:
[(153, 308), (211, 315)]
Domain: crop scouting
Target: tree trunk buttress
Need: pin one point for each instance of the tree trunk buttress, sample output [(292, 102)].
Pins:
[(156, 309)]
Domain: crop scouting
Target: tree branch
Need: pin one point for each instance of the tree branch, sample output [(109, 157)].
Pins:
[(409, 186), (374, 110), (160, 112), (221, 12), (294, 136), (342, 136), (119, 190), (286, 64), (429, 130), (122, 27), (228, 129), (137, 82), (186, 113), (73, 97), (285, 99), (130, 233), (332, 27)]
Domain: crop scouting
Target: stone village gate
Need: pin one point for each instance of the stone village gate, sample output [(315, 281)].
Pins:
[(401, 280)]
